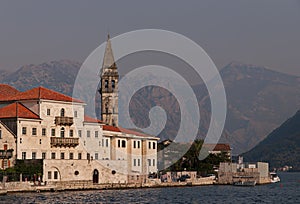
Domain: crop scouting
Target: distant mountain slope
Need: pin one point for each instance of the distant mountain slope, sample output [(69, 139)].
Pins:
[(57, 75), (281, 147), (259, 99)]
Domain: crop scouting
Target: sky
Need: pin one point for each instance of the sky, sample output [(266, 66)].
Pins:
[(260, 32)]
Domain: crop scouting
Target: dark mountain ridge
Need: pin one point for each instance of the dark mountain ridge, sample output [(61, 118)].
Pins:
[(281, 147)]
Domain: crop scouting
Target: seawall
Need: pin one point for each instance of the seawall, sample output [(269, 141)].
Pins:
[(13, 187)]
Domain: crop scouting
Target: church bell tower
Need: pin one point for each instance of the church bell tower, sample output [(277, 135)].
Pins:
[(109, 87)]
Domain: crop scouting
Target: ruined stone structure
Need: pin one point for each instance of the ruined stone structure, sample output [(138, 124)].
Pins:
[(232, 172)]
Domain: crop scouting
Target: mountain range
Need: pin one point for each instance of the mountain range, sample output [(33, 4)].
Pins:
[(281, 147), (258, 99)]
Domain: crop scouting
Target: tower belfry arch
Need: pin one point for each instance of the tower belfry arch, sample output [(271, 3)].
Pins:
[(109, 78)]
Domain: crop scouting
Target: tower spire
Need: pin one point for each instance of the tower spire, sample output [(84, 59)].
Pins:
[(109, 87), (108, 59)]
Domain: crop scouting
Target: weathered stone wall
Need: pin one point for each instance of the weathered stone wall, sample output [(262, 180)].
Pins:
[(7, 141), (85, 169)]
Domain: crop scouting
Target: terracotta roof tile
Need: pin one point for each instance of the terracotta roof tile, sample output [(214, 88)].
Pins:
[(42, 93), (111, 128), (7, 91), (17, 110), (133, 132), (124, 130), (91, 120)]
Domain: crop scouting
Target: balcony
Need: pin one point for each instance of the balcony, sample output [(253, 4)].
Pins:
[(59, 120), (6, 154), (64, 142)]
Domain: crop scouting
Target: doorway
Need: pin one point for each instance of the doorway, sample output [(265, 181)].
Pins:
[(95, 176)]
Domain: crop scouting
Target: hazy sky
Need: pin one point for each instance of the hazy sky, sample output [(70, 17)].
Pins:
[(261, 32)]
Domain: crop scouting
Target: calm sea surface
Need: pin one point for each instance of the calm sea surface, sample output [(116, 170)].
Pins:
[(287, 191)]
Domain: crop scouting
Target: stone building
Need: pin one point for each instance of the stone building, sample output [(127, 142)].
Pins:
[(218, 149), (231, 172), (7, 147), (43, 124)]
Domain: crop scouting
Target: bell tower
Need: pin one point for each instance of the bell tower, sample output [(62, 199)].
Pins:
[(109, 87)]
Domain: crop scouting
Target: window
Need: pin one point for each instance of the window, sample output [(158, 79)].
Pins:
[(79, 133), (62, 155), (40, 141), (71, 156), (34, 131), (53, 155), (139, 144), (43, 131), (123, 143), (24, 130), (106, 142), (134, 162), (149, 145), (20, 140), (49, 174), (139, 162), (134, 144), (53, 132), (48, 111), (75, 114), (119, 143), (154, 145), (88, 156), (96, 156), (153, 162), (88, 133), (106, 85), (113, 84), (62, 112), (44, 155), (149, 162), (79, 155), (55, 175), (71, 133), (62, 132), (33, 156), (103, 142), (96, 134), (23, 155)]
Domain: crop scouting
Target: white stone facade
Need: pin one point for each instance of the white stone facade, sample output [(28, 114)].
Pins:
[(75, 147)]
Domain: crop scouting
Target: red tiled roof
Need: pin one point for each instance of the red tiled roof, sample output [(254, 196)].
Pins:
[(17, 110), (7, 91), (91, 120), (217, 147), (123, 130), (111, 128), (42, 93), (127, 131)]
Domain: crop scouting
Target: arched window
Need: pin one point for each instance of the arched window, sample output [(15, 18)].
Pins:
[(123, 143), (113, 85), (62, 112), (106, 85), (62, 132)]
